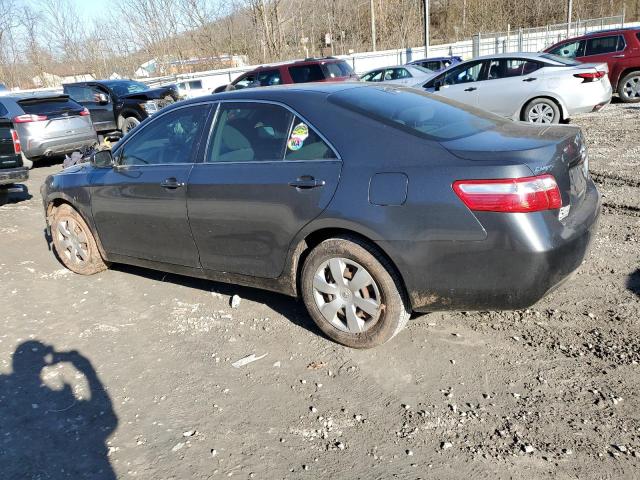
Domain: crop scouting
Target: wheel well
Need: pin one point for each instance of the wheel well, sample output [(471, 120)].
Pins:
[(557, 103), (624, 73), (315, 238)]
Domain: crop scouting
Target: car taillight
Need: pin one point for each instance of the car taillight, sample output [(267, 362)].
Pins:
[(29, 118), (16, 141), (85, 112), (515, 195), (590, 76)]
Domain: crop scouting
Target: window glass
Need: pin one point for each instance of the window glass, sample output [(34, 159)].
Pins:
[(3, 111), (570, 50), (373, 76), (430, 64), (125, 87), (244, 82), (195, 84), (306, 73), (337, 69), (562, 60), (167, 139), (51, 107), (417, 113), (510, 67), (422, 69), (249, 132), (602, 45), (268, 78), (305, 144), (463, 74), (399, 73)]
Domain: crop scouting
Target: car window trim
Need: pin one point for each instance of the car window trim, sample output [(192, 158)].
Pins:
[(118, 153), (283, 160)]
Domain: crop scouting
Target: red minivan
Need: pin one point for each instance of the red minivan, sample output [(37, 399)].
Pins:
[(327, 69), (620, 49)]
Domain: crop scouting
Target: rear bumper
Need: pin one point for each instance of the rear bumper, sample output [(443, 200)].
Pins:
[(523, 258), (34, 147), (592, 99), (12, 175)]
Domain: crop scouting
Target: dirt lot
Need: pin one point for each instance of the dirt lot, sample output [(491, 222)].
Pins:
[(550, 392)]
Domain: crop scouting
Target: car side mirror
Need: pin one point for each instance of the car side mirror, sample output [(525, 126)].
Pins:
[(102, 159), (102, 99)]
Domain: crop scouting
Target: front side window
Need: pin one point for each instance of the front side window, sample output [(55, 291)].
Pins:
[(305, 144), (80, 93), (250, 132), (602, 45), (570, 50), (510, 67), (399, 73), (373, 76), (463, 74), (269, 78), (246, 81), (168, 139)]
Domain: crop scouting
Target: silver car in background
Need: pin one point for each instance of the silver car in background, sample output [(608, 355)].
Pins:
[(534, 87), (48, 124), (399, 75)]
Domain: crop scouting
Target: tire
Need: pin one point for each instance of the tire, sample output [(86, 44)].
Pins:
[(73, 242), (541, 110), (629, 87), (128, 124), (381, 293), (26, 162)]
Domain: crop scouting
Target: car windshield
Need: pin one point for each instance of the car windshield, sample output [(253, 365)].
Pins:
[(415, 112), (126, 88), (557, 58)]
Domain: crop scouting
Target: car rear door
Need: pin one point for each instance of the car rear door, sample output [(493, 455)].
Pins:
[(98, 101), (140, 205), (265, 175), (607, 49), (459, 83), (509, 83)]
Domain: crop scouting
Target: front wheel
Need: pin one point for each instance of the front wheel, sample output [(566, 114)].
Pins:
[(74, 243), (629, 88), (129, 124), (353, 293), (541, 110)]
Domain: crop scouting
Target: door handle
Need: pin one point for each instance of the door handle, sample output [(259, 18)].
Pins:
[(306, 182), (171, 183), (470, 89), (529, 80), (619, 56)]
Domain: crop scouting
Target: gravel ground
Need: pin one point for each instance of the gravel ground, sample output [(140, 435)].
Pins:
[(142, 382)]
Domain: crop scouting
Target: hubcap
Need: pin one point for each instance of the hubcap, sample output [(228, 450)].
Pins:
[(73, 241), (541, 113), (347, 295), (632, 87), (130, 124)]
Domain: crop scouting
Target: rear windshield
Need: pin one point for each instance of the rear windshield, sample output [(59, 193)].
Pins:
[(337, 69), (557, 58), (416, 112), (49, 106)]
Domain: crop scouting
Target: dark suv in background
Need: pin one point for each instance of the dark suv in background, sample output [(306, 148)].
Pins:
[(120, 104), (620, 49), (328, 69)]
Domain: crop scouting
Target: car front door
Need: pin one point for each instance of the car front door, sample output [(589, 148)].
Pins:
[(265, 175), (509, 83), (458, 83), (99, 103), (609, 49), (140, 205)]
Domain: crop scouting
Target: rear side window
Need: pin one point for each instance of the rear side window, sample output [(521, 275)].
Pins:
[(305, 144), (268, 78), (510, 67), (432, 65), (49, 106), (250, 132), (415, 112), (195, 84), (337, 69), (171, 138), (306, 73), (602, 45), (85, 93)]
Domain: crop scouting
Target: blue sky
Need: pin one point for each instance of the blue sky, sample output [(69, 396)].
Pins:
[(92, 8)]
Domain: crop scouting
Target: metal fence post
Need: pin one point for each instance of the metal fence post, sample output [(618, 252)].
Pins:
[(520, 33), (475, 45)]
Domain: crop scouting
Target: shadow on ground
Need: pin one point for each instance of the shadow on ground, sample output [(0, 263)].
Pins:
[(50, 433), (290, 308), (633, 282), (14, 194)]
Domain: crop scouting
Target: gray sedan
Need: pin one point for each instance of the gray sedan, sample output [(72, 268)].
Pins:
[(400, 75), (534, 87), (367, 201)]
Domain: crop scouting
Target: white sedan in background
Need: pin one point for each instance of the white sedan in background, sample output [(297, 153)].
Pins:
[(400, 75), (534, 87)]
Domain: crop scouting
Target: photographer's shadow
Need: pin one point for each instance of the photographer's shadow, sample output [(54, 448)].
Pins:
[(48, 433)]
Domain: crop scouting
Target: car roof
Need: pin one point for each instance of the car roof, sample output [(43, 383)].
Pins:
[(17, 96), (597, 34), (302, 62), (434, 59)]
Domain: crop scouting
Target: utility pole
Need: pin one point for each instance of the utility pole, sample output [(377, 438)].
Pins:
[(569, 9), (373, 26), (426, 28)]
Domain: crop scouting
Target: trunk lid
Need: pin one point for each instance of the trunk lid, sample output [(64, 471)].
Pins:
[(556, 150), (63, 116)]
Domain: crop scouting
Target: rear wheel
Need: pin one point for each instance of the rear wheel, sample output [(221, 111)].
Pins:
[(541, 110), (74, 243), (629, 88), (353, 294)]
